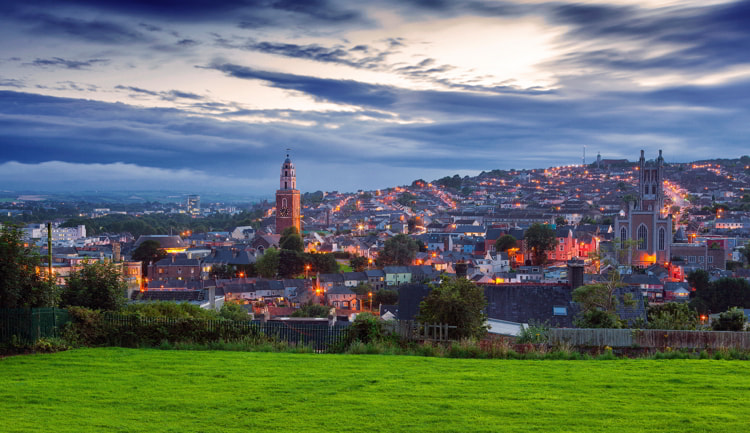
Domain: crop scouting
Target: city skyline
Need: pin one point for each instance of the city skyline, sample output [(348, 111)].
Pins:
[(209, 95)]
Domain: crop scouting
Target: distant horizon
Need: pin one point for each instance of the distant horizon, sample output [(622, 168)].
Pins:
[(253, 198)]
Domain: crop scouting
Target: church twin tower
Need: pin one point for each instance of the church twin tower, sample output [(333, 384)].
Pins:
[(287, 199)]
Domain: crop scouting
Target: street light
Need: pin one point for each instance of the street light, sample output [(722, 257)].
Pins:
[(307, 268), (369, 294)]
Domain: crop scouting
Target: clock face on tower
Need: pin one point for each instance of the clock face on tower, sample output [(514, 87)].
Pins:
[(284, 212)]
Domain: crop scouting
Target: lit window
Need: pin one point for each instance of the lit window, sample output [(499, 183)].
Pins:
[(559, 311)]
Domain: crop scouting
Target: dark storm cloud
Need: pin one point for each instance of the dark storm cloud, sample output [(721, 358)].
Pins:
[(341, 91), (424, 69), (68, 64), (101, 31), (167, 96), (705, 38), (137, 90), (257, 12), (12, 82), (187, 43)]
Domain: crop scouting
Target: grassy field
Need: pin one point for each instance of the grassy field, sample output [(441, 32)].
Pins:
[(126, 390)]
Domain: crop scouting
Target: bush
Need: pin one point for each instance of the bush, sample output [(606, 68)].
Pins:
[(366, 328), (172, 310), (535, 333), (730, 320)]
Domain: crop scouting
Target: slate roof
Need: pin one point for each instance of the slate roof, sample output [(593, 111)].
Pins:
[(638, 279), (631, 313), (525, 303), (375, 273), (355, 276), (339, 290), (331, 278), (409, 297), (177, 262), (397, 270), (494, 234), (165, 241)]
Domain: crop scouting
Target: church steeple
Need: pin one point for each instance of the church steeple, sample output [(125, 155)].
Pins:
[(288, 178), (288, 199)]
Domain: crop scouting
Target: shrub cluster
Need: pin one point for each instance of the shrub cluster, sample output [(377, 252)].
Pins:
[(94, 328)]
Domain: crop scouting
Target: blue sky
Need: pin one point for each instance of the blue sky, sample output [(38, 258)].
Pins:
[(207, 95)]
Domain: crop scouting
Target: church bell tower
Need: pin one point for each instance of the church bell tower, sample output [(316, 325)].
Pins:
[(287, 199)]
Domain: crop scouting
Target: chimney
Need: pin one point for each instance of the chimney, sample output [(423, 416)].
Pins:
[(116, 252), (575, 273)]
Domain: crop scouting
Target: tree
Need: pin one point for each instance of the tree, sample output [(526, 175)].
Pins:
[(233, 311), (268, 264), (291, 240), (722, 294), (148, 252), (98, 286), (20, 285), (672, 316), (312, 310), (540, 239), (456, 302), (323, 263), (221, 272), (599, 303), (406, 199), (560, 220), (399, 250), (746, 252), (730, 320), (505, 242), (358, 263), (386, 297), (630, 198), (698, 280), (362, 289), (291, 263)]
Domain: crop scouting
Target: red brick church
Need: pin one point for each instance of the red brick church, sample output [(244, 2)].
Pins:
[(646, 222)]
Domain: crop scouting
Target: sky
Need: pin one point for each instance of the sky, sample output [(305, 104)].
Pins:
[(202, 96)]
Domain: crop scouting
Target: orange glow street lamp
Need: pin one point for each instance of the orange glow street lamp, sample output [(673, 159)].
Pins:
[(369, 294), (307, 268)]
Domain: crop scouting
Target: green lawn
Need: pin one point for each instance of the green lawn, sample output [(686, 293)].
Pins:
[(126, 390)]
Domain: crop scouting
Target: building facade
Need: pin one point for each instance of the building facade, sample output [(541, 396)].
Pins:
[(288, 199), (194, 205), (646, 223)]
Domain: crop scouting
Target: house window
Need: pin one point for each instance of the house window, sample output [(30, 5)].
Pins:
[(562, 248), (623, 237), (691, 259), (653, 189), (559, 311), (661, 239), (710, 259), (700, 259), (642, 236)]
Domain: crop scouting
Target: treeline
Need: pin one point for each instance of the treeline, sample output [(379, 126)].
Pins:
[(162, 224)]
